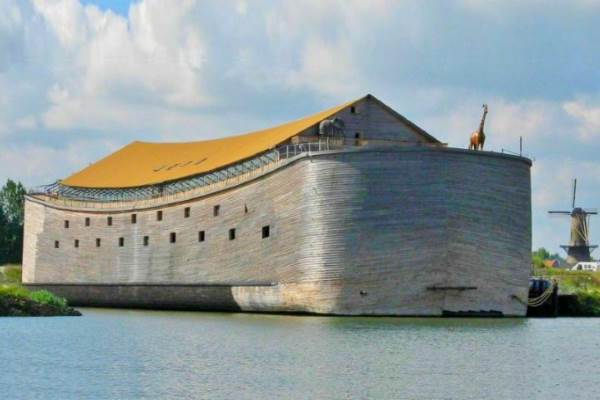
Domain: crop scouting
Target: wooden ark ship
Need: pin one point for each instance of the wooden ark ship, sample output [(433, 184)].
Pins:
[(354, 210)]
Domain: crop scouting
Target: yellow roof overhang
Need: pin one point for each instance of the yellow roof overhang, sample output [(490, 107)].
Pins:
[(142, 163)]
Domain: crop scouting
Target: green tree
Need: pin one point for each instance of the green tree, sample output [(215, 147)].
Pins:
[(11, 201), (542, 253), (11, 222), (3, 238)]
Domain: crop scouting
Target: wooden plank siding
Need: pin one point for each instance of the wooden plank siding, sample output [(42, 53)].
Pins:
[(361, 232)]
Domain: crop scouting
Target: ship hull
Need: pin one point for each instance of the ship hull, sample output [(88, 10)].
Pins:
[(405, 231)]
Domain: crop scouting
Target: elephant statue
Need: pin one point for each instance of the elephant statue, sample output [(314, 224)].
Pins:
[(332, 127)]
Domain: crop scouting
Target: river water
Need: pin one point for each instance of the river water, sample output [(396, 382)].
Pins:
[(116, 354)]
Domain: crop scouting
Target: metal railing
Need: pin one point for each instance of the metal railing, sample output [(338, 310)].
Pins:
[(327, 144)]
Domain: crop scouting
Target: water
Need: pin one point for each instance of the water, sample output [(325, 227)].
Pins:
[(115, 354)]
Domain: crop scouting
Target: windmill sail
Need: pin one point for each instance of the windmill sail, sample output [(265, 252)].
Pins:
[(574, 191)]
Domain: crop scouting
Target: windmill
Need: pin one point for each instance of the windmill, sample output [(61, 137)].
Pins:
[(579, 247)]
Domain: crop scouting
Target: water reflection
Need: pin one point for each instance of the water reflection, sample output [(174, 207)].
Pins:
[(158, 355)]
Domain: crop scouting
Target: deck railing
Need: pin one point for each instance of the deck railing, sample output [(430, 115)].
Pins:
[(326, 144)]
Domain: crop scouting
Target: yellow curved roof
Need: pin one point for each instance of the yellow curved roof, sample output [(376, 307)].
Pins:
[(142, 163)]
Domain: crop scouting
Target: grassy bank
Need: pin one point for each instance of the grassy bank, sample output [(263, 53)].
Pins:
[(583, 285), (15, 300)]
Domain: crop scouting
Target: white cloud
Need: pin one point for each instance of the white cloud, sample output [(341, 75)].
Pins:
[(317, 46), (155, 57), (587, 118), (26, 123), (529, 119), (41, 161), (66, 18), (327, 68), (241, 7)]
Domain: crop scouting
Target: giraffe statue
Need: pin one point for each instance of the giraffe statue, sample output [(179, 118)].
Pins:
[(478, 137)]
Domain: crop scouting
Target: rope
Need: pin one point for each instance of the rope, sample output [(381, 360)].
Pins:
[(541, 299)]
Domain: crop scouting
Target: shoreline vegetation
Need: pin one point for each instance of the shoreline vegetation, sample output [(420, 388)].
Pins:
[(579, 291), (16, 301), (583, 288)]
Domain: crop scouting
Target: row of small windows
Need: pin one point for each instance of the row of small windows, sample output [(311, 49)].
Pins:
[(265, 233), (187, 212)]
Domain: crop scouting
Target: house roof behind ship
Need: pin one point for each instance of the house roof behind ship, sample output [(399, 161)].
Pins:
[(142, 163)]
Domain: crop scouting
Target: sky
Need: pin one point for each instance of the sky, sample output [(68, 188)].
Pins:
[(79, 79)]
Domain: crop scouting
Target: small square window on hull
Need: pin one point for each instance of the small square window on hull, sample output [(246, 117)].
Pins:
[(266, 231)]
